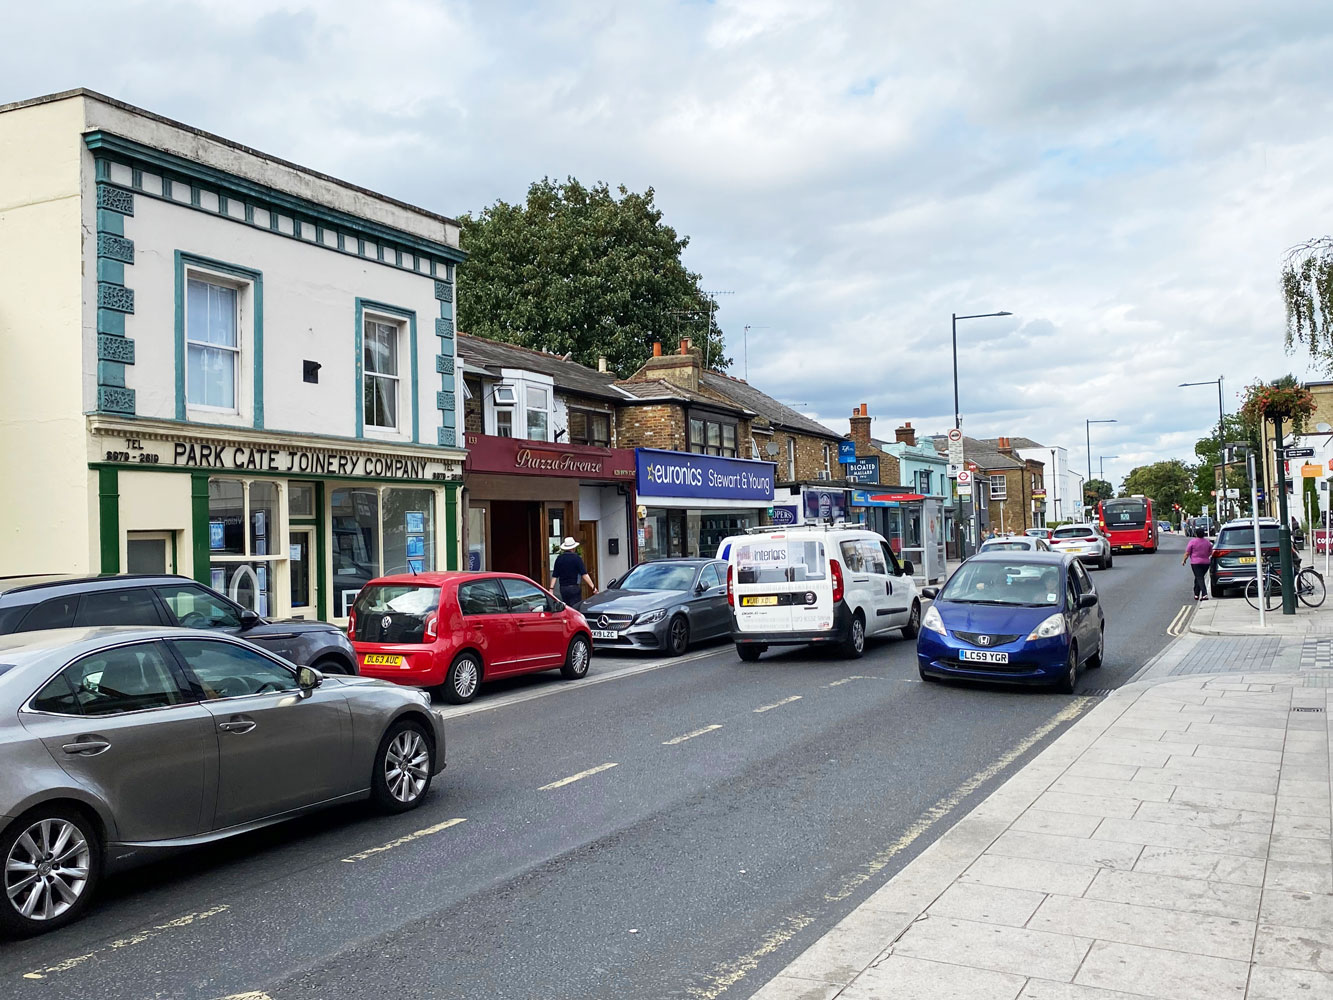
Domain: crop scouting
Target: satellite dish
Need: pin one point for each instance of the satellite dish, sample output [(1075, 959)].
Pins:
[(771, 447), (1322, 427)]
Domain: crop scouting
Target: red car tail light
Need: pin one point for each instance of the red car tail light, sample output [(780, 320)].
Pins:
[(731, 590), (432, 626), (835, 568), (351, 624), (1219, 553)]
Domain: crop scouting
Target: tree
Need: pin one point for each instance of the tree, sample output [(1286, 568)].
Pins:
[(583, 271), (1236, 430), (1097, 489), (1307, 291), (1164, 483)]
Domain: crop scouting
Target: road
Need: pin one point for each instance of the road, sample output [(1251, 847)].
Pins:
[(681, 831)]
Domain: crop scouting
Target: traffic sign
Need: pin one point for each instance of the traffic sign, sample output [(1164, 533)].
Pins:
[(955, 446), (1298, 453), (964, 477), (965, 489), (1311, 471)]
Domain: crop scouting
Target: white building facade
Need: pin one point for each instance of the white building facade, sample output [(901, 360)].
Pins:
[(1064, 487), (218, 363)]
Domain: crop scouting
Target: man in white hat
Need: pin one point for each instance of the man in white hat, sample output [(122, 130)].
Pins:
[(568, 572)]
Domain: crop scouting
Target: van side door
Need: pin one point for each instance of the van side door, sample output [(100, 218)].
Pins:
[(880, 596)]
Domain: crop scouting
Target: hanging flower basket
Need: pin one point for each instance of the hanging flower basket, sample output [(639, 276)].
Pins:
[(1293, 404)]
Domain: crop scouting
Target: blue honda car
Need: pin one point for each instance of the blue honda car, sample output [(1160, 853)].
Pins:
[(1018, 617)]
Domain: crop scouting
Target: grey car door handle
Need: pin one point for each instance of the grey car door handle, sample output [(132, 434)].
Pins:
[(237, 724), (87, 747)]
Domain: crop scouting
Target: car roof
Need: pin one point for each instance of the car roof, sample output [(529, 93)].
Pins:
[(1035, 556), (440, 578), (682, 560), (17, 584)]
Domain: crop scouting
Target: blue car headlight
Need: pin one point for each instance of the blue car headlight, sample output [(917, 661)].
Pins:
[(650, 617), (1049, 629), (931, 620)]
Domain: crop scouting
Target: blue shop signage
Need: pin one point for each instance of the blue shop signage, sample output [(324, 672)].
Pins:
[(784, 514), (685, 474), (846, 452)]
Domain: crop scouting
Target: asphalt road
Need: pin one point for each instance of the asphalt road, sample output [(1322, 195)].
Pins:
[(681, 831)]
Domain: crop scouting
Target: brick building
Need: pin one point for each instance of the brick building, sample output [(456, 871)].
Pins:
[(1009, 482)]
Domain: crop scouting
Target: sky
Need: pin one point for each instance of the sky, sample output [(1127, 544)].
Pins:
[(1124, 178)]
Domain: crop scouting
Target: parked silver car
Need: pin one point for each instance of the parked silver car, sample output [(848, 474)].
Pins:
[(124, 742)]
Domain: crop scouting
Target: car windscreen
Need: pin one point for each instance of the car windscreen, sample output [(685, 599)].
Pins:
[(1129, 514), (779, 560), (1243, 537), (393, 612), (659, 576), (1086, 531), (1006, 547), (1014, 583)]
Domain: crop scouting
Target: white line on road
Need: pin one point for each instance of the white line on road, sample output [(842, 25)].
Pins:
[(578, 777), (137, 938), (854, 677), (779, 704), (689, 736), (402, 840)]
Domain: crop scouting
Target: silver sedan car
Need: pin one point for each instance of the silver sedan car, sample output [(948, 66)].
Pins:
[(120, 743)]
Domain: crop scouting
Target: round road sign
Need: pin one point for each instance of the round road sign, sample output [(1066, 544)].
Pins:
[(955, 434), (964, 477)]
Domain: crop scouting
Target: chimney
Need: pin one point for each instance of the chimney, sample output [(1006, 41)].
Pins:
[(906, 434), (682, 369), (861, 430), (685, 345), (1003, 447), (601, 363), (657, 348)]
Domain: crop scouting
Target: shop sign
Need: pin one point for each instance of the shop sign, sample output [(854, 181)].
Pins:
[(784, 514), (514, 456), (685, 474), (1038, 494), (865, 498), (846, 452), (825, 504), (239, 455), (864, 470)]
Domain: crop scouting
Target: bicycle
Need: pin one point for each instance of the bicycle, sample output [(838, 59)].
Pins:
[(1309, 588)]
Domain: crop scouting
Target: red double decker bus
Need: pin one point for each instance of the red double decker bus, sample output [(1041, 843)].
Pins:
[(1128, 523)]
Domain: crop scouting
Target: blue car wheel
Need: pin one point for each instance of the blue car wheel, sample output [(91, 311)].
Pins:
[(1065, 685)]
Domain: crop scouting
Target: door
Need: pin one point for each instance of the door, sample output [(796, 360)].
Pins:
[(488, 626), (557, 528), (539, 637), (129, 606), (901, 589), (301, 570), (277, 750), (1088, 624), (588, 550), (150, 552), (879, 567), (710, 616), (121, 722)]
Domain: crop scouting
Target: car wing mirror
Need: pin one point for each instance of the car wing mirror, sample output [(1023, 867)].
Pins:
[(1087, 600), (249, 619), (308, 678), (908, 568), (930, 593)]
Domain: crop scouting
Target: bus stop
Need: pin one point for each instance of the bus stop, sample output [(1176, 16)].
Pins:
[(913, 524)]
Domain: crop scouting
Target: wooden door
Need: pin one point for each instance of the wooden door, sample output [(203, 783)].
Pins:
[(588, 549)]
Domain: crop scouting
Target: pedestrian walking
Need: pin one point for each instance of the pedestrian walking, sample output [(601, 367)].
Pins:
[(1199, 553), (568, 574)]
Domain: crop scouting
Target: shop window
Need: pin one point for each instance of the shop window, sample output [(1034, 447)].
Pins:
[(538, 405), (379, 356), (244, 541), (377, 532), (212, 344), (409, 531), (712, 437), (301, 499), (590, 427)]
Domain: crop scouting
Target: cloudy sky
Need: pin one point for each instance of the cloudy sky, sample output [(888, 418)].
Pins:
[(1123, 178)]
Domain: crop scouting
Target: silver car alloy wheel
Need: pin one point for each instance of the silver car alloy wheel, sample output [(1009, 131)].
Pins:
[(578, 658), (465, 678), (858, 635), (407, 765), (47, 869)]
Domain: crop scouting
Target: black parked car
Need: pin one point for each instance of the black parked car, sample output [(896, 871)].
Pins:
[(36, 603), (665, 604)]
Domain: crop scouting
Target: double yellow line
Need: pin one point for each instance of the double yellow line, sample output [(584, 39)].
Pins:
[(1177, 627)]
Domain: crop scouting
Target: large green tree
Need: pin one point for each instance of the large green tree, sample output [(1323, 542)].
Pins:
[(586, 271), (1236, 430), (1307, 291), (1097, 489), (1164, 483)]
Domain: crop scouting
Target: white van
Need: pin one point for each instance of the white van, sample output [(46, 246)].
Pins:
[(816, 584)]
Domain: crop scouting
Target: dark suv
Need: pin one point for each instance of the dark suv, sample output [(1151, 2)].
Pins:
[(1232, 564), (35, 603)]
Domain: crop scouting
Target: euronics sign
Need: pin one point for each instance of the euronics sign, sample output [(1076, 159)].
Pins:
[(685, 474)]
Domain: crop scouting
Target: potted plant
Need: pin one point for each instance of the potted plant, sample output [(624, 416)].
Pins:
[(1283, 400)]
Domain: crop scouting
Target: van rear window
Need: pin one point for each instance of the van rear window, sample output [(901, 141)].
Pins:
[(779, 560)]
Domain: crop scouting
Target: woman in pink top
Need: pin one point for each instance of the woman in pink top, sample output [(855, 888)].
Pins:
[(1199, 553)]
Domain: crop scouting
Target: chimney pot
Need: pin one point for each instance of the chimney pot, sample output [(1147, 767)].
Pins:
[(865, 410), (657, 348), (685, 345), (601, 363)]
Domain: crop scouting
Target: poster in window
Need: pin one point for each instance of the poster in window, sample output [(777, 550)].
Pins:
[(415, 565), (416, 521), (416, 545), (217, 535), (218, 578)]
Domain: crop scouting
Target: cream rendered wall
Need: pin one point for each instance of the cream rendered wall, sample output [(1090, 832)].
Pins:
[(157, 501), (309, 313), (43, 518)]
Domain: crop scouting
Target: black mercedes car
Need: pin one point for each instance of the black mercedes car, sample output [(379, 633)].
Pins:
[(665, 604), (36, 603)]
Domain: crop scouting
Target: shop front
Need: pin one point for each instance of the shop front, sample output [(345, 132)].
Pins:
[(286, 525), (801, 504), (689, 502), (522, 498), (913, 524)]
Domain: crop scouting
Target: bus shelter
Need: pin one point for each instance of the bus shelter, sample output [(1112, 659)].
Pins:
[(913, 524)]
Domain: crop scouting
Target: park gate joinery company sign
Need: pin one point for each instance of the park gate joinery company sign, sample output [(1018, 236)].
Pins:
[(683, 474)]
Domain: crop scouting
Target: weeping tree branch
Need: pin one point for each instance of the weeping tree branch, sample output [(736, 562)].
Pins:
[(1307, 292)]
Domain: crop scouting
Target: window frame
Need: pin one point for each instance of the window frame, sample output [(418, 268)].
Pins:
[(397, 324), (547, 411), (712, 427), (238, 287), (183, 685), (1003, 482), (791, 459), (588, 416), (195, 685)]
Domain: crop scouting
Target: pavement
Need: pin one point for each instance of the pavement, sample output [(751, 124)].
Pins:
[(1176, 842)]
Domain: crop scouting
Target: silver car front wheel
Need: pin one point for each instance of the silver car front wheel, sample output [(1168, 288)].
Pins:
[(403, 767), (51, 863)]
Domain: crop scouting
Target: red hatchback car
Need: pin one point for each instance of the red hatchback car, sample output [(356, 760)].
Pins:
[(455, 630)]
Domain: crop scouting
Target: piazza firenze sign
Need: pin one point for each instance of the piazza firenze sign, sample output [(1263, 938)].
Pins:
[(514, 456)]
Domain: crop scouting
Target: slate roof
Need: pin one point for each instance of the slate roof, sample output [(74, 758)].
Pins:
[(492, 355), (766, 406), (1016, 442), (660, 388), (980, 451)]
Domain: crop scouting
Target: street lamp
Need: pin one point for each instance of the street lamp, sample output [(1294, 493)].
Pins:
[(1101, 465), (958, 425), (1087, 435), (1221, 439)]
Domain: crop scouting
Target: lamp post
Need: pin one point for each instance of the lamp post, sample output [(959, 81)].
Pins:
[(1087, 437), (1101, 465), (1221, 439), (958, 425)]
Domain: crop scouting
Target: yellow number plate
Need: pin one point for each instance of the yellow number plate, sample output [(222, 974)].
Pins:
[(759, 602), (381, 660), (1247, 559)]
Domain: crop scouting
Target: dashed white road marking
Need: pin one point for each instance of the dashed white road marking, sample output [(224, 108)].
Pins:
[(579, 777), (779, 704), (689, 736), (126, 942), (371, 852), (848, 680)]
